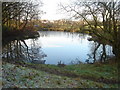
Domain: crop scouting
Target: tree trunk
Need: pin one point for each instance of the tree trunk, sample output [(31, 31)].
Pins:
[(94, 53), (103, 56)]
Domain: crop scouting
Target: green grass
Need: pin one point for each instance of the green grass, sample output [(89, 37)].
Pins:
[(105, 71), (24, 77), (96, 71)]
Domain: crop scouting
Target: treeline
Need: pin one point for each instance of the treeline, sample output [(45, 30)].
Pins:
[(17, 17), (62, 25)]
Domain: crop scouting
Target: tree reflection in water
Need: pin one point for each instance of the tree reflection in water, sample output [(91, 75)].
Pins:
[(19, 51), (99, 53)]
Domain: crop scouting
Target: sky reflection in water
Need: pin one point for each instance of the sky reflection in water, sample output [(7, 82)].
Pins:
[(63, 46)]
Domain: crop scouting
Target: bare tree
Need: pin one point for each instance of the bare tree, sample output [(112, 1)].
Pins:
[(18, 14), (105, 17)]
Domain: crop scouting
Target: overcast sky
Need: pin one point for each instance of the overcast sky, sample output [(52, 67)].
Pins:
[(51, 9)]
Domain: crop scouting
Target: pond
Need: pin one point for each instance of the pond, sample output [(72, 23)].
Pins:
[(66, 47)]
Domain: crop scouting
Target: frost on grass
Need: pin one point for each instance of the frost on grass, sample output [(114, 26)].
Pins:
[(23, 77)]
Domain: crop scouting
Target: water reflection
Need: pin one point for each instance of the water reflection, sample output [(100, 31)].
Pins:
[(70, 48), (53, 47), (19, 50), (99, 53)]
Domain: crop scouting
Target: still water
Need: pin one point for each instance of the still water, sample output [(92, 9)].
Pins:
[(63, 46)]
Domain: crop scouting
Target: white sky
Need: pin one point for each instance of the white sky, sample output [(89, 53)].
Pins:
[(51, 9)]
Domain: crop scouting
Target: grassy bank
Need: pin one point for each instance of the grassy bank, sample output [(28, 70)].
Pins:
[(51, 76), (105, 73)]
